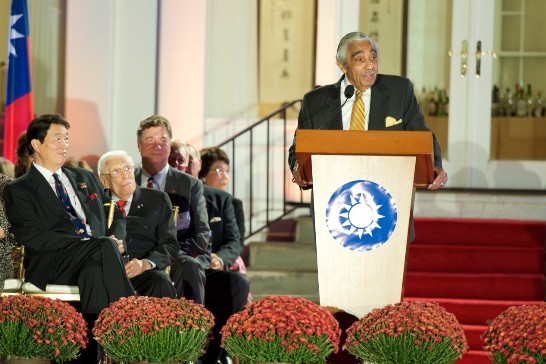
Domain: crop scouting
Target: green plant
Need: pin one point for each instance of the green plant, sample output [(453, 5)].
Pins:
[(407, 332), (282, 329), (34, 327), (517, 335), (154, 329)]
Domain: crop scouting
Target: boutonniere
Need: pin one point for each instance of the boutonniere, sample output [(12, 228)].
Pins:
[(83, 185), (172, 190), (92, 196)]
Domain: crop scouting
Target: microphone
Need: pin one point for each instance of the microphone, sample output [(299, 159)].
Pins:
[(349, 92)]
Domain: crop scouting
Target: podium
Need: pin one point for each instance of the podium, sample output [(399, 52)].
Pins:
[(363, 188)]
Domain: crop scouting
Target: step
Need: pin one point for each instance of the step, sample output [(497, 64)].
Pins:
[(294, 283), (474, 357), (474, 312), (473, 335), (519, 287), (282, 230), (473, 259), (283, 256), (305, 230), (479, 232)]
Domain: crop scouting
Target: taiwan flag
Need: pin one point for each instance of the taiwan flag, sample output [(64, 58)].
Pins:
[(19, 106)]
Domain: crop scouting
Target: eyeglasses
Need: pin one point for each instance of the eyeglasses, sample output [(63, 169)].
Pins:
[(220, 171), (118, 171), (152, 141)]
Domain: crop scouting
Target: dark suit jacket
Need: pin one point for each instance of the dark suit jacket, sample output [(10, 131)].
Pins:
[(41, 223), (223, 225), (151, 233), (186, 192), (391, 96)]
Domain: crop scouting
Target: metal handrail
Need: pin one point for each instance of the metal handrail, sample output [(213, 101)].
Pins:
[(260, 155)]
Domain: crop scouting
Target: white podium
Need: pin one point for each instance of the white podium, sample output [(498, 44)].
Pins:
[(363, 188)]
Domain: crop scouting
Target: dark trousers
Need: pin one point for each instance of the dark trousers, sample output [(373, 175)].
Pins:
[(226, 293), (95, 265), (154, 283), (189, 278)]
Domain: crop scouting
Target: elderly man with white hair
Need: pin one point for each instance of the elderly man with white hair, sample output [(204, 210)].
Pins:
[(151, 232)]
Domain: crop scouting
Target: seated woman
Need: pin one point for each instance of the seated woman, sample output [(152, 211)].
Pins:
[(24, 160), (186, 158), (214, 172), (6, 167), (7, 241)]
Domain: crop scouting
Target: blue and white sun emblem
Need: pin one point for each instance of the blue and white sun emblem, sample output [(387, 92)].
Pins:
[(361, 215)]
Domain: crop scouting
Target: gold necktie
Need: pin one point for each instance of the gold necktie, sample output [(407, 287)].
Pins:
[(357, 115)]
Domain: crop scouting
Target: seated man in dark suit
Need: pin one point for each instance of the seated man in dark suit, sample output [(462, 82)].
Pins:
[(153, 138), (57, 213), (151, 233), (226, 292)]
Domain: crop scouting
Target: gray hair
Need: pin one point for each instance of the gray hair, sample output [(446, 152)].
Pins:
[(115, 153), (341, 55)]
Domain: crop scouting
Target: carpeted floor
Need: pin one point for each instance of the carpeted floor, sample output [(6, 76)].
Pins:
[(476, 268)]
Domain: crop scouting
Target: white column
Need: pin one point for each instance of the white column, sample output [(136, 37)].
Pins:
[(334, 20), (110, 73), (182, 48)]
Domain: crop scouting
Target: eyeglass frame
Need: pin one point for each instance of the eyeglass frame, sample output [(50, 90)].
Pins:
[(119, 171), (221, 171)]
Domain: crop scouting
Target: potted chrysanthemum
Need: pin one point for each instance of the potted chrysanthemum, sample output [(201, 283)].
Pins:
[(517, 335), (281, 329), (407, 332), (157, 330), (34, 327)]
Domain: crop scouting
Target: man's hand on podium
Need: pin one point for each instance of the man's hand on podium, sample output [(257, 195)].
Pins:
[(297, 178), (440, 180)]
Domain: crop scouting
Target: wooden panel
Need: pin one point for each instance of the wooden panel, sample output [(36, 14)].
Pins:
[(372, 142), (518, 138), (286, 52), (439, 125)]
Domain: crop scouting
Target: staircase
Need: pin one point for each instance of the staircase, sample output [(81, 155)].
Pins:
[(286, 263), (474, 268)]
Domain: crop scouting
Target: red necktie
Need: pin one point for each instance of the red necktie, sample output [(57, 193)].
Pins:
[(151, 182), (121, 204)]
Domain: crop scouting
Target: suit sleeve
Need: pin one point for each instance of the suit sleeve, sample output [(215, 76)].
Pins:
[(197, 241), (304, 122), (415, 120), (166, 248), (240, 218), (26, 225), (230, 246)]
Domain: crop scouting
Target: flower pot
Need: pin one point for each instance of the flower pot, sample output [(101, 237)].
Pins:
[(147, 362), (25, 361)]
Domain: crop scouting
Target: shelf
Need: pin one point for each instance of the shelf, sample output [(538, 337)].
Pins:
[(518, 138)]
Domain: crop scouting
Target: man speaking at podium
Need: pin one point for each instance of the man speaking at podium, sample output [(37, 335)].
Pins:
[(363, 100)]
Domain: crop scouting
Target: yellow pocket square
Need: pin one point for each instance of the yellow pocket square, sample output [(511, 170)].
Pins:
[(215, 219), (390, 121)]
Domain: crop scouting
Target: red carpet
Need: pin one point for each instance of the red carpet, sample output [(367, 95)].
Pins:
[(476, 269)]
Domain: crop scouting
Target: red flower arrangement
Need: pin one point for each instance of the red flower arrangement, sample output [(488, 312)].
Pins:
[(158, 330), (407, 332), (517, 335), (282, 329), (33, 327)]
